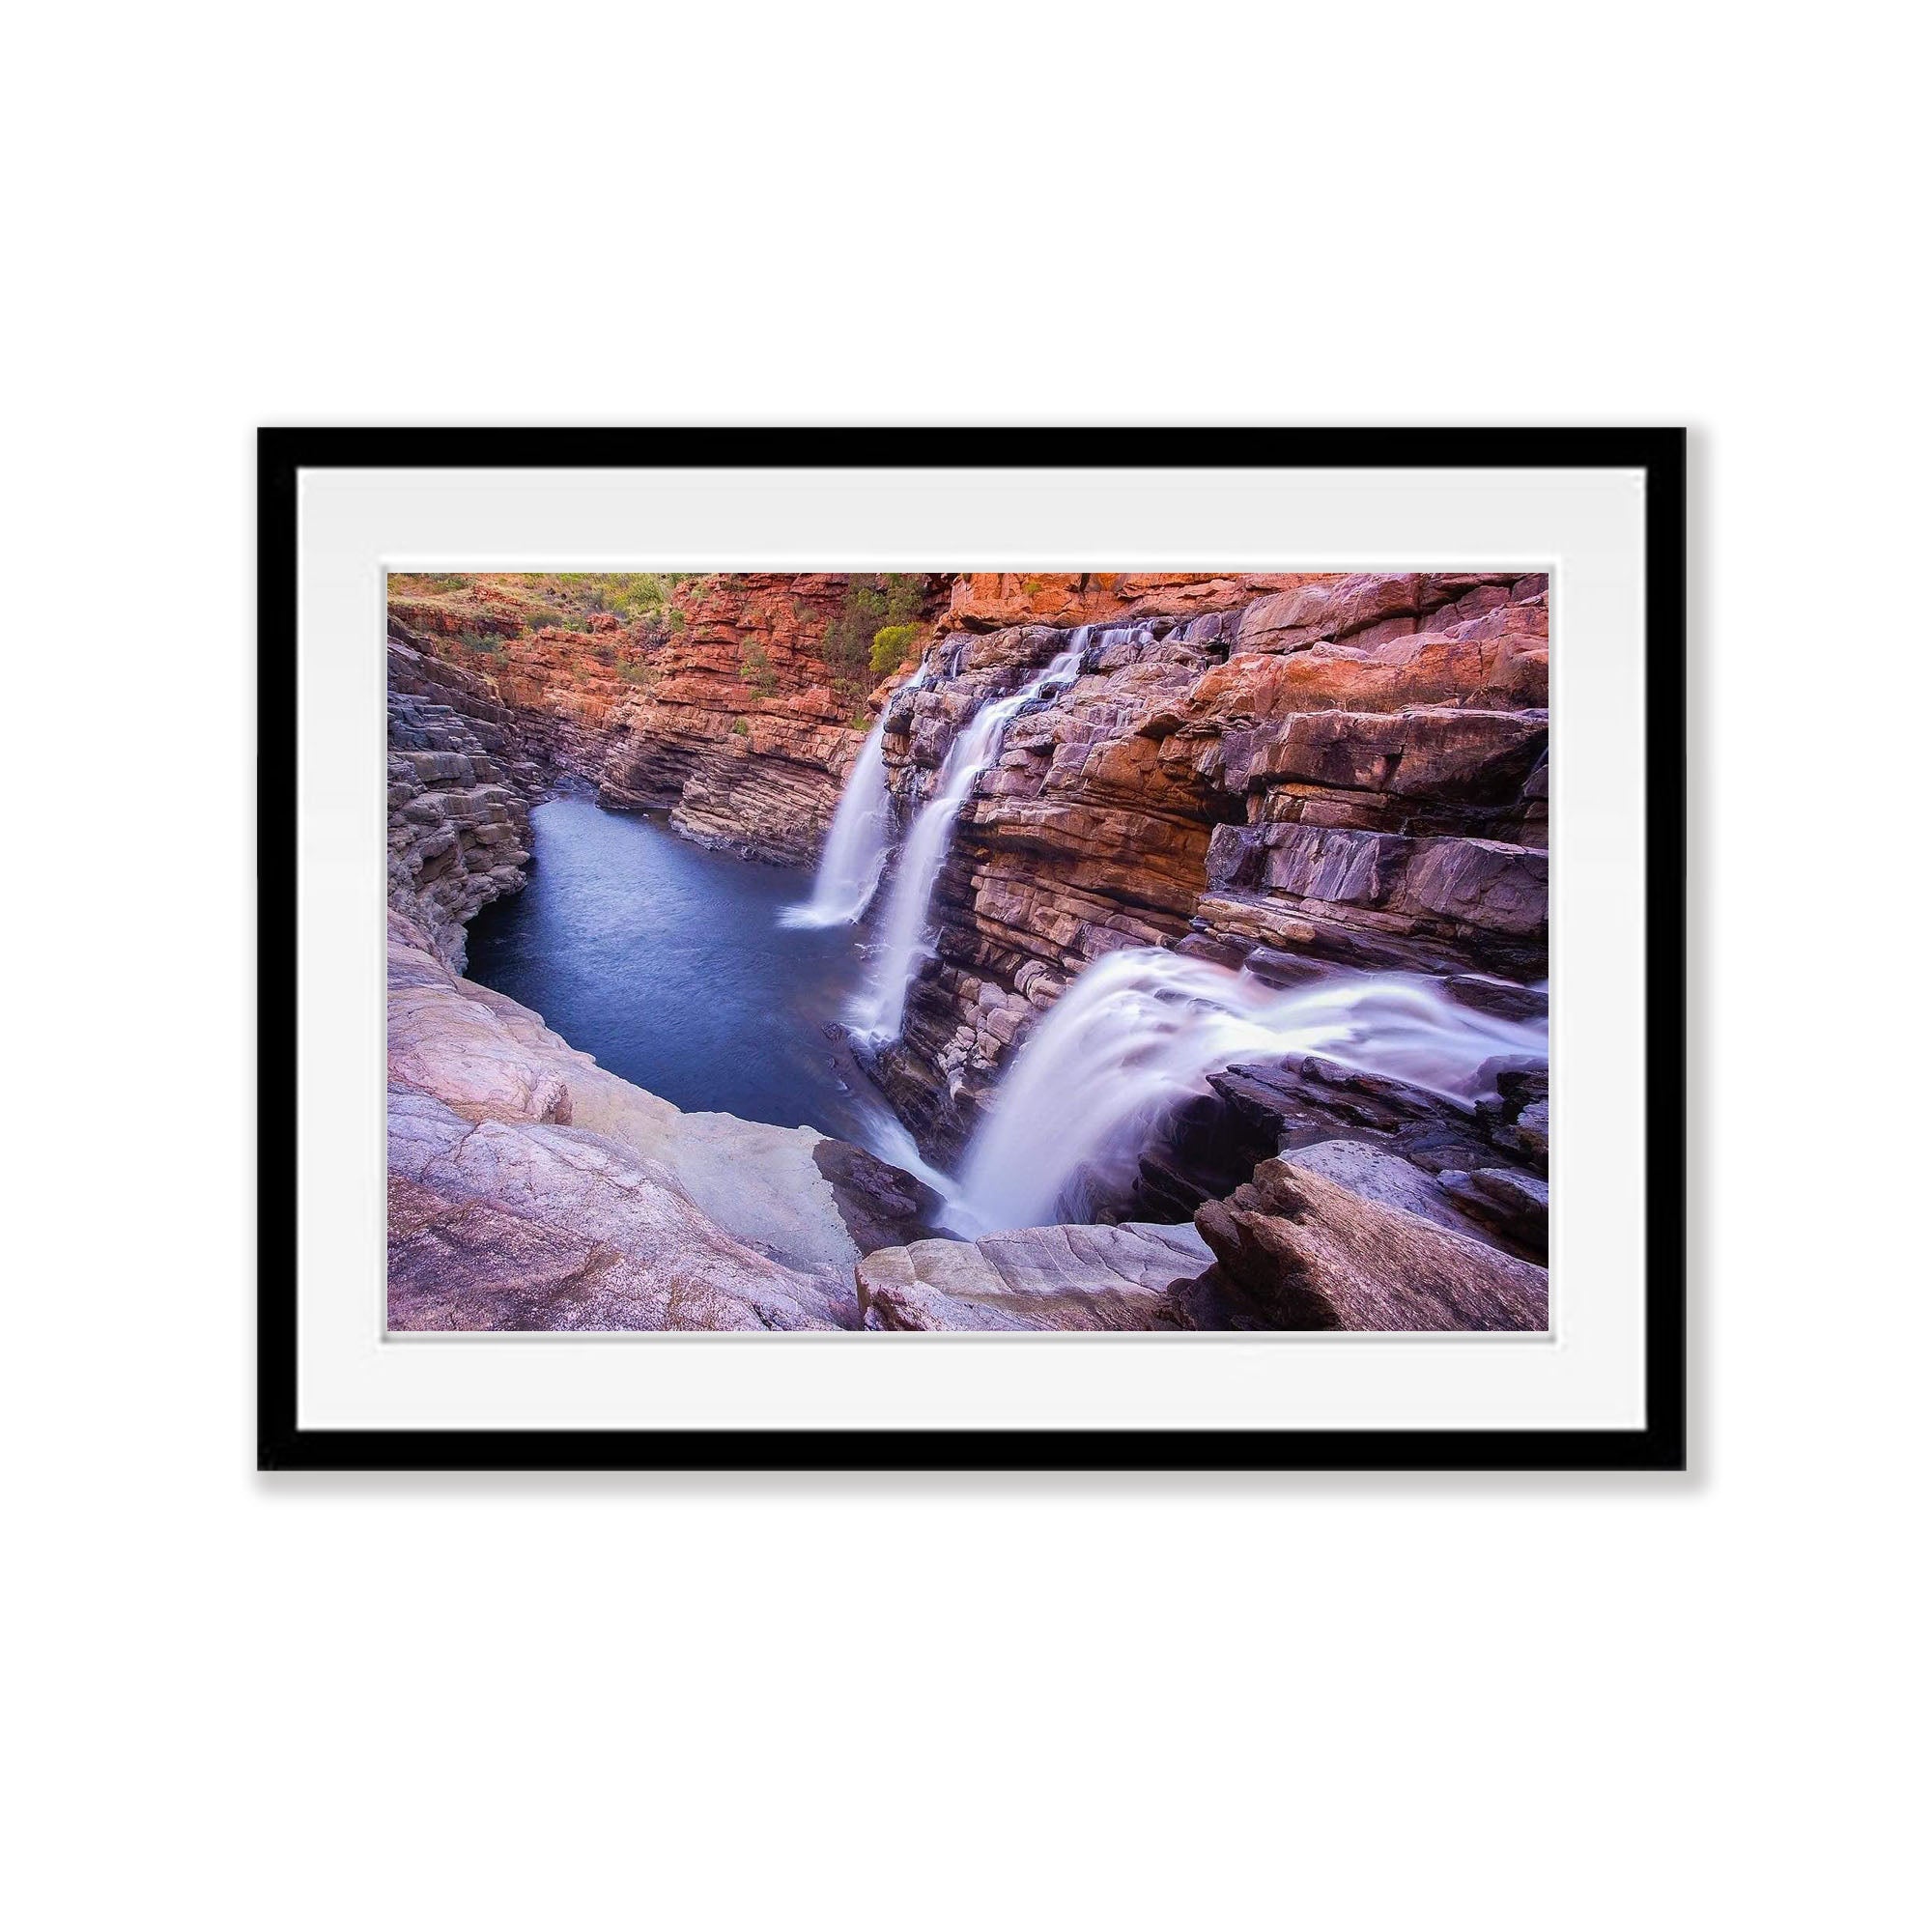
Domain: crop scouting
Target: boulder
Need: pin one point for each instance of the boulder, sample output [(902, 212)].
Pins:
[(1296, 1250)]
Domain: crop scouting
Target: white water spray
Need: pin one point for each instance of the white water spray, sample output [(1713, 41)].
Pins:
[(860, 840), (1140, 1030), (879, 1013)]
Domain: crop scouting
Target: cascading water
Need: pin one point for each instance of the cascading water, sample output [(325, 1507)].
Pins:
[(860, 839), (1140, 1030), (879, 1013)]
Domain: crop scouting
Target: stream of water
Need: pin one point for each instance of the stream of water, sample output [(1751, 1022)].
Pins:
[(860, 840), (1140, 1030), (902, 940)]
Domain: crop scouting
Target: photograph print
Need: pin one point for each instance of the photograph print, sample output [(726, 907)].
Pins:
[(977, 953)]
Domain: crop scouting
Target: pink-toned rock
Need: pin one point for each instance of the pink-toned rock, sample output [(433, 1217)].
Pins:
[(1070, 1278), (1295, 1250)]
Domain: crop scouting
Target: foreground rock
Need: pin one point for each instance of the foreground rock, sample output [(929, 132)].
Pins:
[(530, 1188), (1295, 1250), (494, 1226), (1379, 1137), (1034, 1278)]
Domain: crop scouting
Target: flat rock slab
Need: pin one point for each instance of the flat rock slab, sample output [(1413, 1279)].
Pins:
[(501, 1224), (1072, 1278)]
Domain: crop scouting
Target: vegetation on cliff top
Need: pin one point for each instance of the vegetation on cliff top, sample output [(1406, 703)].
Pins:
[(594, 627), (874, 603), (512, 602)]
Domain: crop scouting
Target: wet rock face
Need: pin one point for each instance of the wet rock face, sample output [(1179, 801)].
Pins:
[(1312, 771), (1376, 1136)]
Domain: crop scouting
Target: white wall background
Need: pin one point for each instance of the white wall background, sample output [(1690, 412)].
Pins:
[(884, 1702)]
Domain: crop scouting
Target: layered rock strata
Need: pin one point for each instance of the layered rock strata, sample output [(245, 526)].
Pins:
[(459, 827), (1340, 770), (1001, 600), (744, 734)]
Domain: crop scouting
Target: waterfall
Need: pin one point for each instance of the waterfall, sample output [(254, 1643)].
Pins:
[(879, 1013), (857, 846), (1141, 1029)]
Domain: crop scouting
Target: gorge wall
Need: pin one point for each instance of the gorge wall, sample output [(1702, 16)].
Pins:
[(730, 709), (744, 733), (460, 787), (1345, 771), (728, 706)]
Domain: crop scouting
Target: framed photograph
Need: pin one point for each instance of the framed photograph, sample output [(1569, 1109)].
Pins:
[(951, 949)]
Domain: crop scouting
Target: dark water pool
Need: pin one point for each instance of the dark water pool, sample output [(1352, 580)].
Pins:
[(666, 962)]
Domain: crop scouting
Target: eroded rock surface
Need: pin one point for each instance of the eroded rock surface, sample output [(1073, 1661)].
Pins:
[(494, 1225), (459, 824), (1295, 1250), (532, 1188), (1072, 1278), (1380, 1137)]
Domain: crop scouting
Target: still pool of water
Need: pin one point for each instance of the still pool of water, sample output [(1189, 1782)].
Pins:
[(668, 964)]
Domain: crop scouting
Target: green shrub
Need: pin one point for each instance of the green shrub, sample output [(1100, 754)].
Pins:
[(484, 643), (675, 621), (640, 593), (754, 668), (872, 602), (741, 728), (890, 648), (640, 673)]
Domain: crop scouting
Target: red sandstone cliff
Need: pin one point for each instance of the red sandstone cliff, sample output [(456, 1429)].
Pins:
[(1349, 771)]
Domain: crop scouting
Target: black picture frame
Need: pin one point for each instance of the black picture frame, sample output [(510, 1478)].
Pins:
[(1660, 1445)]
